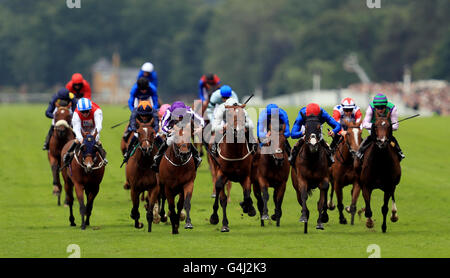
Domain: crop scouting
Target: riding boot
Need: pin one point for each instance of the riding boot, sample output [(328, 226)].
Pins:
[(334, 142), (130, 148), (295, 151), (214, 148), (364, 145), (126, 135), (67, 159), (328, 151), (394, 143), (158, 157), (102, 151), (287, 147), (196, 156), (47, 139)]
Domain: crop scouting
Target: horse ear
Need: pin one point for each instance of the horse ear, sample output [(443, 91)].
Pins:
[(57, 104), (69, 105)]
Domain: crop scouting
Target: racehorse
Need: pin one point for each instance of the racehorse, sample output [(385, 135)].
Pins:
[(176, 176), (271, 169), (312, 171), (140, 177), (234, 164), (380, 169), (62, 133), (343, 171), (85, 173)]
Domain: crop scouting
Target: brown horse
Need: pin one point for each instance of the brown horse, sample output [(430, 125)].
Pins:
[(311, 171), (140, 176), (343, 171), (271, 169), (85, 173), (380, 169), (177, 174), (235, 164), (62, 133)]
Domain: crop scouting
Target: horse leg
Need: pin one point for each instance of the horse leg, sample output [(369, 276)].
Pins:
[(322, 206), (221, 181), (339, 197), (394, 217), (247, 204), (56, 181), (173, 214), (330, 204), (223, 204), (259, 201), (278, 195), (68, 187), (152, 199), (368, 212), (263, 187), (355, 193), (80, 196), (187, 204), (228, 191), (385, 209), (89, 205), (162, 212), (135, 215), (180, 205)]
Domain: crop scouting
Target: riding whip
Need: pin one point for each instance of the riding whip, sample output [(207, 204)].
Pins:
[(121, 123), (410, 117)]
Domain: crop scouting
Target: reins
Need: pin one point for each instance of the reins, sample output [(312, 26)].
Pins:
[(100, 165), (232, 159)]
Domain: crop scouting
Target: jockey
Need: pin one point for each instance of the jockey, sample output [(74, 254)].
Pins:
[(219, 124), (87, 118), (313, 110), (148, 71), (382, 107), (161, 112), (79, 86), (207, 83), (144, 113), (143, 90), (264, 121), (344, 113), (176, 112), (63, 97), (218, 97)]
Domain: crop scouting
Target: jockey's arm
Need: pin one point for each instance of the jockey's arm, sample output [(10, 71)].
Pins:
[(358, 116), (98, 118), (394, 118), (217, 124), (331, 122), (76, 124), (132, 97), (367, 122), (285, 120), (165, 122), (297, 130), (261, 125)]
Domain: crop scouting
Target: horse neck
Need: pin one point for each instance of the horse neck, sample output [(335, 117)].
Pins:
[(343, 150), (234, 148)]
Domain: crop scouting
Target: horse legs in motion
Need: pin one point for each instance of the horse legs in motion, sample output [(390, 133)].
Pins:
[(220, 193)]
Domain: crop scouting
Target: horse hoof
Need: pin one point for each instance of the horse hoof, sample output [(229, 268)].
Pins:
[(164, 218), (252, 212), (343, 221), (244, 208), (319, 226), (156, 220), (303, 219), (126, 186), (139, 225), (175, 232), (369, 223), (225, 229), (183, 215), (273, 217), (265, 217), (214, 219), (331, 206), (188, 226), (73, 224), (394, 218), (83, 227), (213, 195)]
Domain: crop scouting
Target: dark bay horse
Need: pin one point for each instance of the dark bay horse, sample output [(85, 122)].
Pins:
[(343, 171), (380, 169), (85, 173), (312, 171), (271, 170), (140, 177), (62, 133), (234, 164), (177, 173)]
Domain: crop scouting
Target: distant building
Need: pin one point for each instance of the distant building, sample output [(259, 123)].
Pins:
[(111, 83)]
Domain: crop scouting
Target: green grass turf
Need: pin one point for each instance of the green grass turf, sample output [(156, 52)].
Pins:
[(33, 226)]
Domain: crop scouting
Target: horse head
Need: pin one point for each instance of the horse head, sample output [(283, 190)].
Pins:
[(353, 137), (88, 151), (235, 119), (313, 134), (146, 137), (381, 130), (63, 117), (182, 145), (277, 146)]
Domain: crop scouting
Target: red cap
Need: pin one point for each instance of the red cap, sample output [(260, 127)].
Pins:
[(312, 109), (77, 78)]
